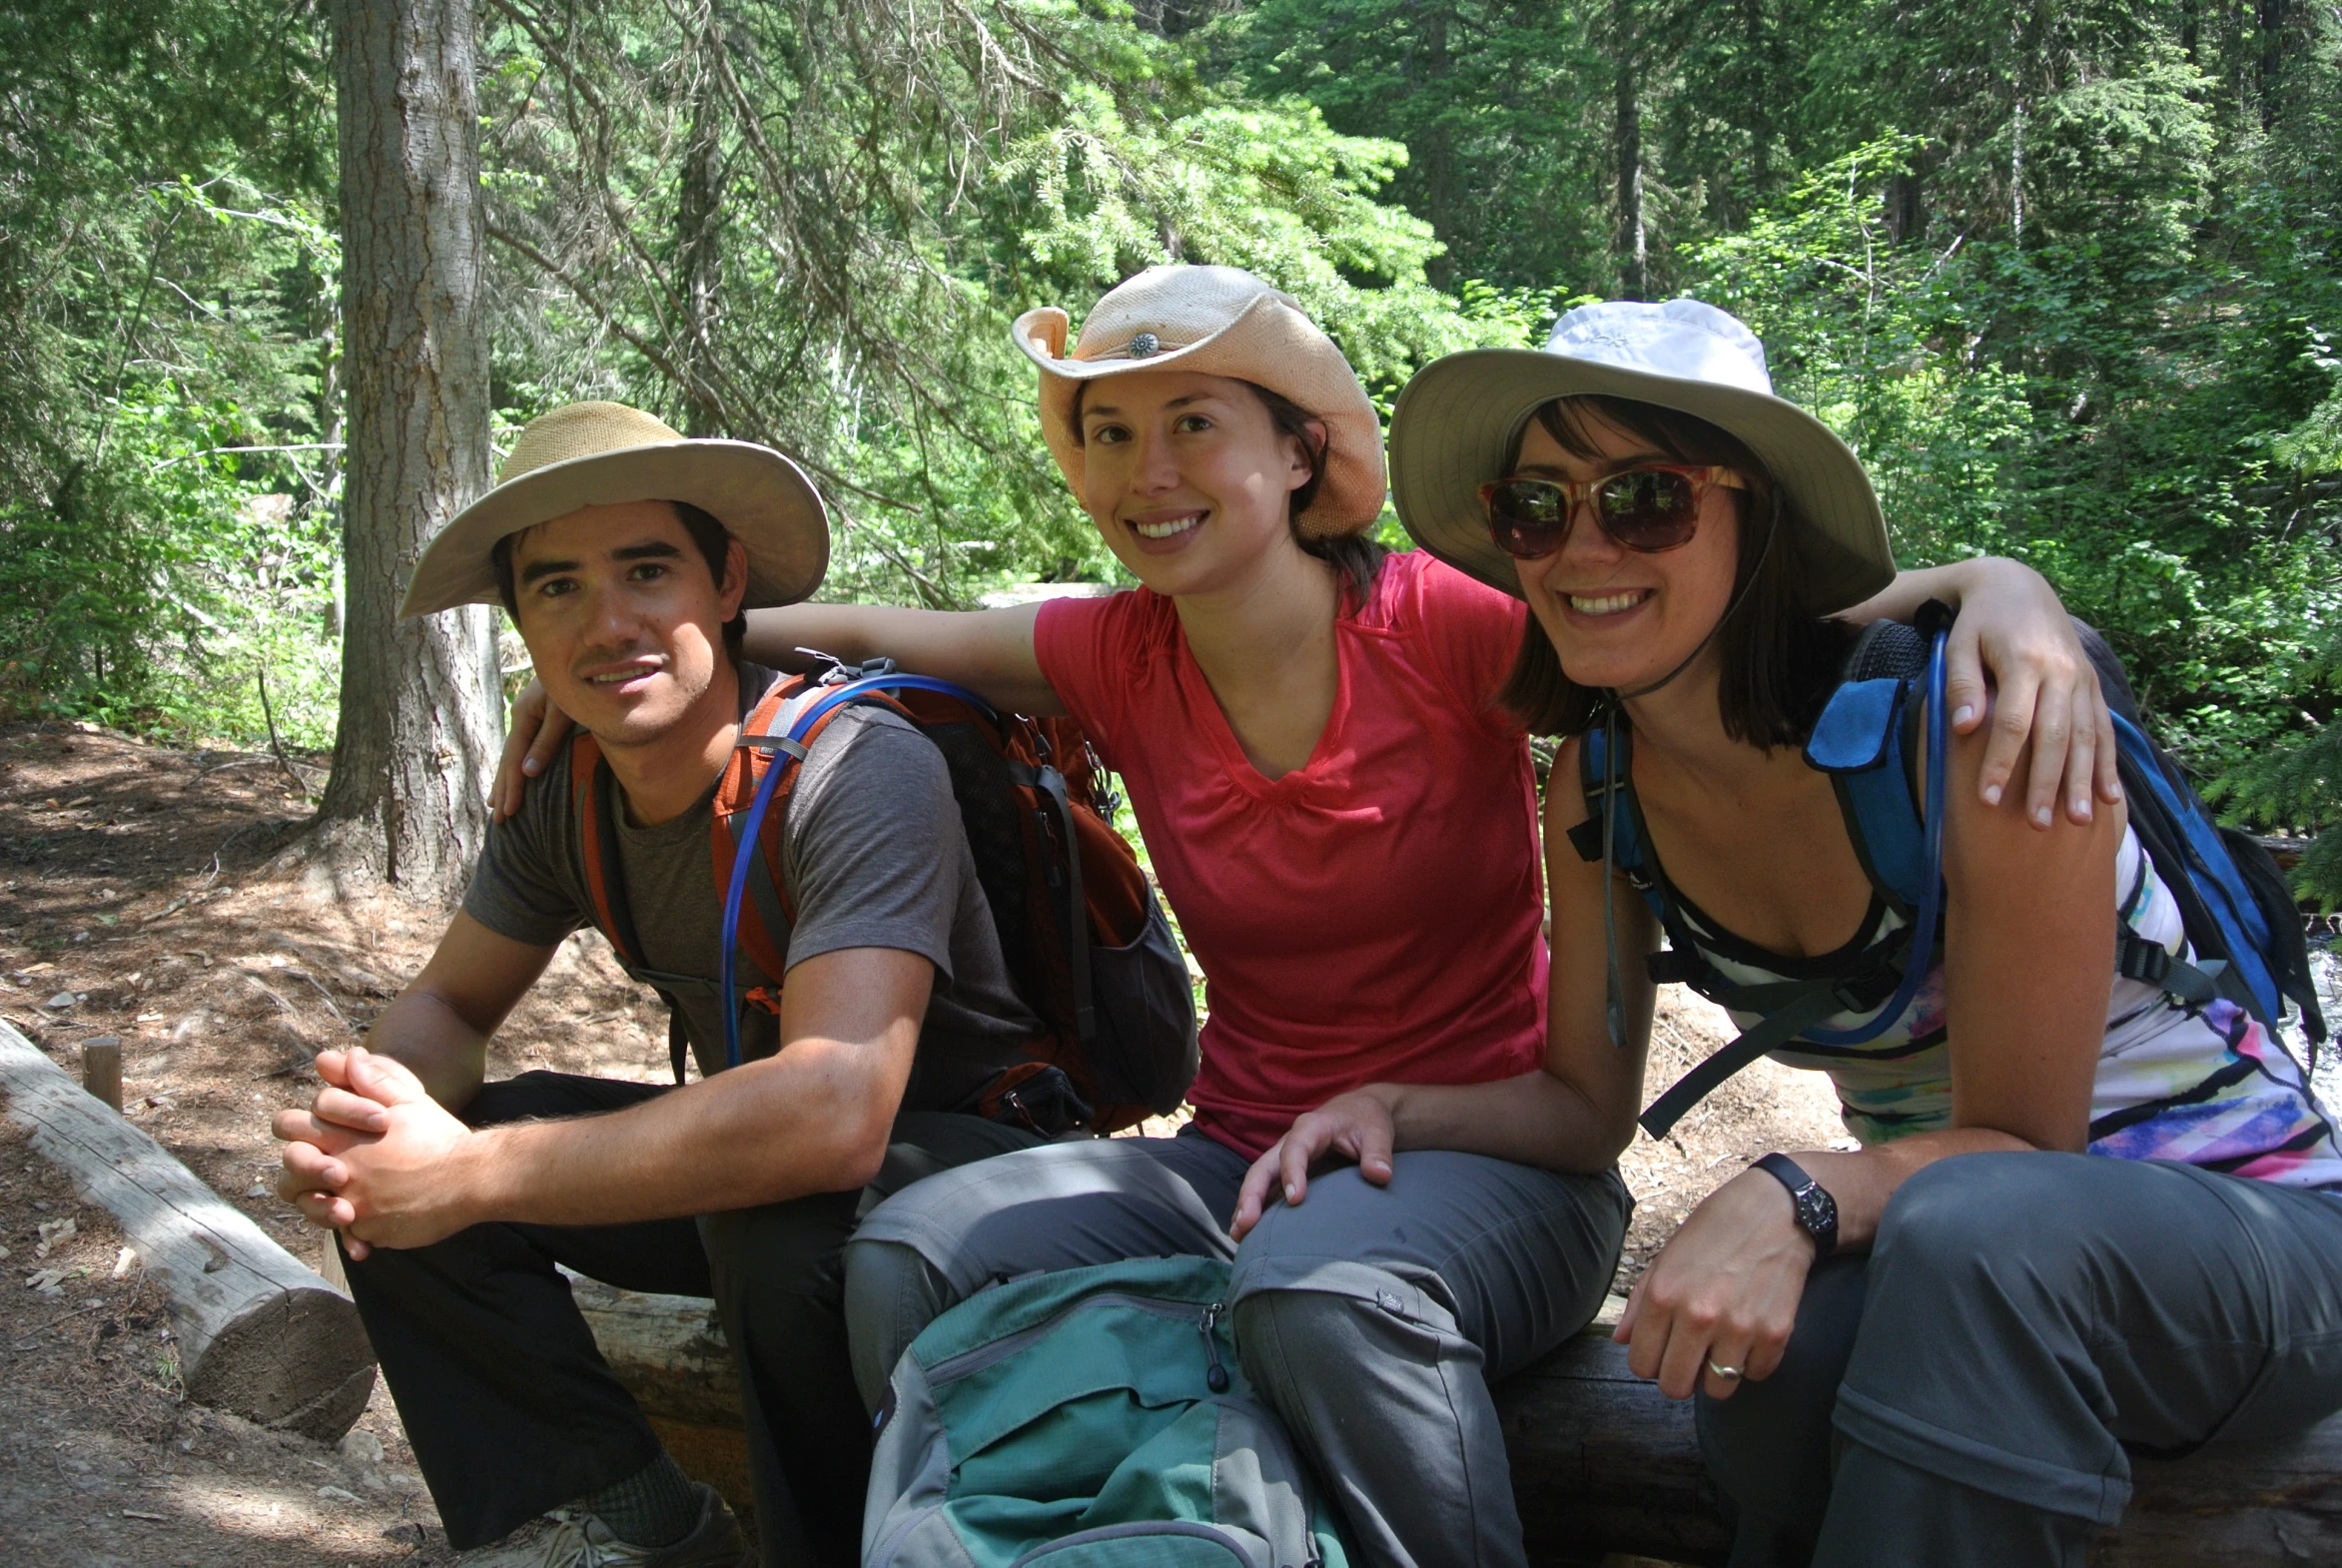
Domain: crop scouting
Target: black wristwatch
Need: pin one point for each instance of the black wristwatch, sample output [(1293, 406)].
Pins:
[(1817, 1210)]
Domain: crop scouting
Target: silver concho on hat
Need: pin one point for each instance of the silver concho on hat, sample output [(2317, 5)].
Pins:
[(1143, 345)]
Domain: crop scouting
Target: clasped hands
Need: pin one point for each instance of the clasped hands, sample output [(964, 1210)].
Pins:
[(373, 1155)]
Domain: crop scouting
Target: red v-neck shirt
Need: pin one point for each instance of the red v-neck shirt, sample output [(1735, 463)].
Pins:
[(1372, 916)]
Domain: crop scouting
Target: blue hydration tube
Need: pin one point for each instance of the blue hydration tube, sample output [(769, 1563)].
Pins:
[(744, 858), (1923, 931)]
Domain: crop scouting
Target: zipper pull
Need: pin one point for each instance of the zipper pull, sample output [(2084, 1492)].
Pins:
[(1216, 1375)]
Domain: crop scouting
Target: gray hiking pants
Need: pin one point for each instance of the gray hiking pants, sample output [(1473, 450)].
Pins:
[(1971, 1393), (1369, 1319)]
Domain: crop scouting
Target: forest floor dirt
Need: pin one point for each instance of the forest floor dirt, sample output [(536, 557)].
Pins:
[(145, 894)]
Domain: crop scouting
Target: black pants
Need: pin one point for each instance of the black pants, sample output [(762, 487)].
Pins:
[(510, 1408), (1970, 1395)]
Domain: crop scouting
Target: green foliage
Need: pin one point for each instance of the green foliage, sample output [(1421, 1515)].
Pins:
[(2005, 407), (168, 376), (2066, 273), (1022, 153), (1499, 106)]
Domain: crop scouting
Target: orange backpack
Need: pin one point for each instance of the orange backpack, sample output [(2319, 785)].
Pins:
[(1085, 942)]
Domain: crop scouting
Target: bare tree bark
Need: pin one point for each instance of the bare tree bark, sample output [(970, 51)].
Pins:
[(420, 709)]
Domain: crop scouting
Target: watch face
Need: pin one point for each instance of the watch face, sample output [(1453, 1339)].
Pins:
[(1817, 1210)]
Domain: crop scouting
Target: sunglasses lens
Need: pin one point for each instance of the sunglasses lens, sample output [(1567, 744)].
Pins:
[(1648, 508), (1528, 517)]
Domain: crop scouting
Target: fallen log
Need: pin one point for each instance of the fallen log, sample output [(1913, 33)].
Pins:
[(259, 1335), (1601, 1458), (1602, 1462), (671, 1356)]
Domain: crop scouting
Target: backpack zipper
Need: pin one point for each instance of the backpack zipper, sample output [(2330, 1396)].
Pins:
[(952, 1368), (1216, 1375)]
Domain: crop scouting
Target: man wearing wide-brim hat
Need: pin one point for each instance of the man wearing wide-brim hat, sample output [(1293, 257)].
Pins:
[(626, 555)]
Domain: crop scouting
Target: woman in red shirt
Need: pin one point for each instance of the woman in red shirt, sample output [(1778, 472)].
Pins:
[(1345, 825)]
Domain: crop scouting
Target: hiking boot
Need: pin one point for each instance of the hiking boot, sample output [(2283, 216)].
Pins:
[(577, 1539)]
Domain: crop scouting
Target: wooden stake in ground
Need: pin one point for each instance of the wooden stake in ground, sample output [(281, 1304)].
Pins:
[(101, 1069), (259, 1335)]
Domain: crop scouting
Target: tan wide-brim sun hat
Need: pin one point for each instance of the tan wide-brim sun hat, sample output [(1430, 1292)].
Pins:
[(1460, 419), (1219, 320), (605, 454)]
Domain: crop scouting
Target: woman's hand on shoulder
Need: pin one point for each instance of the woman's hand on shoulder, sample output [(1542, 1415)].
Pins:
[(2013, 631), (1724, 1291), (2013, 624), (531, 738), (1358, 1125)]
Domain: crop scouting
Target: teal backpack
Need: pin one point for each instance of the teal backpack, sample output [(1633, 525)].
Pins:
[(1094, 1418)]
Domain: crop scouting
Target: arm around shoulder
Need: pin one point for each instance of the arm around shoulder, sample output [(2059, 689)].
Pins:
[(989, 651)]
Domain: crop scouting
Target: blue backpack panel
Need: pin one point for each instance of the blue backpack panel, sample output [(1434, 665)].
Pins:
[(2241, 923)]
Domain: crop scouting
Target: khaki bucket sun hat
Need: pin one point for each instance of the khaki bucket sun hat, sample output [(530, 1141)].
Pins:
[(1219, 321), (605, 454), (1458, 421)]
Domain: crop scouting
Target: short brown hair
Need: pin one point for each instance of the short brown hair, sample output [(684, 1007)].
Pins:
[(711, 537), (1354, 557), (1780, 655)]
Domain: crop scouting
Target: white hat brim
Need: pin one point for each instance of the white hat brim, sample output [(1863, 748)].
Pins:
[(760, 496), (1456, 423)]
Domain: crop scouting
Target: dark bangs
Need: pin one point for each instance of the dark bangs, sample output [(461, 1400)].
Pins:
[(1780, 659)]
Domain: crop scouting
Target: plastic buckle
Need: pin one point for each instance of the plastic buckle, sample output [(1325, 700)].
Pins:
[(836, 675), (1864, 993)]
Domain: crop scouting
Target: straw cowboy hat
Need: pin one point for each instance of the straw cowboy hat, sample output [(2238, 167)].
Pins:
[(1219, 321), (1459, 421), (605, 454)]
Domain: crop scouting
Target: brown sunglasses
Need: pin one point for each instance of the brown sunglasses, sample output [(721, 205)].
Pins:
[(1649, 508)]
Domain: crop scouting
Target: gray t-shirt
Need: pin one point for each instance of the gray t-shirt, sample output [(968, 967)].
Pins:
[(872, 855)]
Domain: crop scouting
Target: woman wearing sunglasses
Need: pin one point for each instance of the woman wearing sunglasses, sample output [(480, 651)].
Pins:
[(1937, 1349), (1347, 828)]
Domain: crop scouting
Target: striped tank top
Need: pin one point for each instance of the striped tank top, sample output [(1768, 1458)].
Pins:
[(2204, 1086)]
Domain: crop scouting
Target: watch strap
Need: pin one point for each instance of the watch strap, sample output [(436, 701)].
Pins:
[(1817, 1210)]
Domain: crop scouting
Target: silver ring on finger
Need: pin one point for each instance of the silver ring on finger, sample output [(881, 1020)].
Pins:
[(1731, 1374)]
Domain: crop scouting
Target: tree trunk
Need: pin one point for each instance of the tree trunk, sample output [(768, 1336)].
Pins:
[(420, 709), (2272, 20), (697, 232), (1756, 81), (1437, 149), (1633, 255)]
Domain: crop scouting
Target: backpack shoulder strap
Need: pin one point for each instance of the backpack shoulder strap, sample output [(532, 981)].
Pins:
[(764, 742), (1613, 793), (1866, 736), (593, 798), (776, 737), (1866, 741), (594, 795)]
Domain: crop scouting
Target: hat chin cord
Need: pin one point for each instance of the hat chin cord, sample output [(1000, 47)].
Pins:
[(1614, 1002)]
